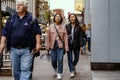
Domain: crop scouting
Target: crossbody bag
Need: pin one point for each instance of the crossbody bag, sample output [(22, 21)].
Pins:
[(60, 39)]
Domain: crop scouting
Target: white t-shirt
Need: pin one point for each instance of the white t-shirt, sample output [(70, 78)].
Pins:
[(88, 33)]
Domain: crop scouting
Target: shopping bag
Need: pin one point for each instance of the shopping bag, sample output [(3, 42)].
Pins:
[(45, 57)]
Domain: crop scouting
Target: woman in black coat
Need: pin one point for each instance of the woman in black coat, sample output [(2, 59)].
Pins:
[(74, 31)]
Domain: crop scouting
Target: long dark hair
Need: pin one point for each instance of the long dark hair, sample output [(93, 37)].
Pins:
[(76, 19), (61, 19)]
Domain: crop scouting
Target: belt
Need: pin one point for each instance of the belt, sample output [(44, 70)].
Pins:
[(20, 47)]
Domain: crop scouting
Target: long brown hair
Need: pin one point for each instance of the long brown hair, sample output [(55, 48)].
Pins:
[(84, 27), (76, 19)]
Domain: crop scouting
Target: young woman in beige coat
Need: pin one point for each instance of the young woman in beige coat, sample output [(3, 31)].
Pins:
[(55, 45)]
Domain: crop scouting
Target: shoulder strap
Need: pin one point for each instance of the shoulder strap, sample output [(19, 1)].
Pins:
[(10, 19), (9, 31), (33, 19), (58, 33)]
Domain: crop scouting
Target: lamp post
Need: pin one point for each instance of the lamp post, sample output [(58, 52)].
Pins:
[(0, 35), (48, 11), (0, 20)]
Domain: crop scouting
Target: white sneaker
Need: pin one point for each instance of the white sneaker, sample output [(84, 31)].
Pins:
[(89, 53), (72, 74), (59, 77)]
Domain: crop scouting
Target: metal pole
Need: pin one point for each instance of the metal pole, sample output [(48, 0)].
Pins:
[(0, 35), (49, 12), (0, 20)]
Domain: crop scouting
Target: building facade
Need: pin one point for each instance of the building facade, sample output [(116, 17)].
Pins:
[(38, 8)]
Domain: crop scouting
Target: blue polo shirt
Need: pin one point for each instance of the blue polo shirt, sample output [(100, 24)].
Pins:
[(21, 31)]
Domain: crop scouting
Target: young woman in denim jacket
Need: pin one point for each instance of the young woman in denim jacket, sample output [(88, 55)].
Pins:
[(55, 45)]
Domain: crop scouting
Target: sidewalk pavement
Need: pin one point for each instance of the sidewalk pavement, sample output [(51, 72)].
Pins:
[(106, 75), (44, 71)]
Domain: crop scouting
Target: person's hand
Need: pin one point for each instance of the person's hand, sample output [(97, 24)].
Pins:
[(2, 46), (81, 50), (47, 48), (36, 49), (69, 36)]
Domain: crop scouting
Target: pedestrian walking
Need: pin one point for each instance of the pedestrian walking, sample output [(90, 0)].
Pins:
[(74, 41), (88, 33), (57, 34), (83, 49), (23, 40)]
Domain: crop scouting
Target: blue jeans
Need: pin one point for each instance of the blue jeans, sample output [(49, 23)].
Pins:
[(89, 43), (84, 46), (72, 61), (21, 60), (57, 57)]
